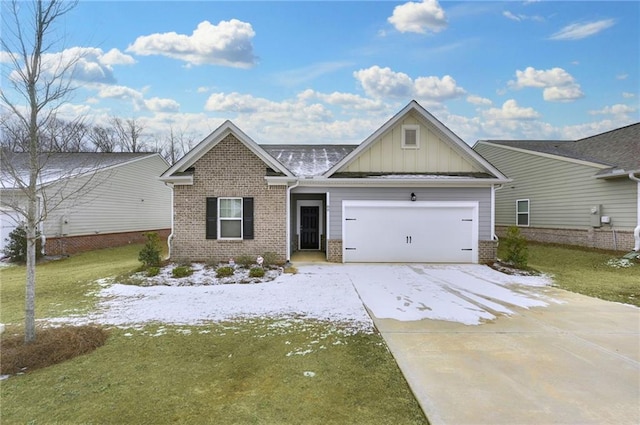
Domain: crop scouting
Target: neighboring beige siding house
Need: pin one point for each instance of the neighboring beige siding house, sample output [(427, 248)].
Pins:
[(411, 192), (92, 200), (584, 192)]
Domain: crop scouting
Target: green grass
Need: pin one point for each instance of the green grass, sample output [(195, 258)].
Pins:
[(586, 272), (62, 285), (238, 373), (241, 372)]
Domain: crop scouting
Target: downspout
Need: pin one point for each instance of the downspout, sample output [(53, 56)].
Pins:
[(636, 231), (494, 188), (170, 237), (288, 233)]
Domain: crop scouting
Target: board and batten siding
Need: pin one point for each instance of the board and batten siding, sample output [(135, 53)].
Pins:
[(337, 195), (561, 192), (126, 198), (434, 155)]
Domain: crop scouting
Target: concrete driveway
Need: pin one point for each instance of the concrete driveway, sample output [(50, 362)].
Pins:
[(510, 352)]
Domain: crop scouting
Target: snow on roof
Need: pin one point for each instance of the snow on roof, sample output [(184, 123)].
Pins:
[(308, 160), (57, 166)]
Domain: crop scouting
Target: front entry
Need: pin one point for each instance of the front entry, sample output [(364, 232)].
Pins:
[(309, 227)]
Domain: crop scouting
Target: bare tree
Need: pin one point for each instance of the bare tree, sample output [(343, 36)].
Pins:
[(177, 143), (129, 132), (104, 139), (36, 92)]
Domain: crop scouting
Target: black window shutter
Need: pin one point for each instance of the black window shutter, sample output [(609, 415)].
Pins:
[(212, 218), (247, 218)]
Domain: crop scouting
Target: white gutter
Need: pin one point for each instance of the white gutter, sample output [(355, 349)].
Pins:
[(494, 188), (636, 231), (396, 182), (288, 232)]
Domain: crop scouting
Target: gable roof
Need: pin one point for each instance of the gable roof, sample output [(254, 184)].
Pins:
[(617, 151), (451, 138), (61, 165), (308, 160), (178, 172)]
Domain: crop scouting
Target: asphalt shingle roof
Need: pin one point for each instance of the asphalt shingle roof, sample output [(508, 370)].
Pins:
[(308, 160), (619, 149)]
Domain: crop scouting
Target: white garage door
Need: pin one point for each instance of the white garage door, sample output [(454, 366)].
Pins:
[(418, 232)]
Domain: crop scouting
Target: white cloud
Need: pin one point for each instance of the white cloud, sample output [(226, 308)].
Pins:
[(477, 100), (557, 84), (618, 109), (116, 57), (156, 104), (511, 111), (345, 100), (584, 30), (385, 83), (628, 95), (420, 18), (622, 76), (227, 44), (511, 16)]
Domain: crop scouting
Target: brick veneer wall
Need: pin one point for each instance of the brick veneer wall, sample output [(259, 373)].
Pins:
[(601, 238), (335, 250), (75, 244), (488, 251), (228, 169)]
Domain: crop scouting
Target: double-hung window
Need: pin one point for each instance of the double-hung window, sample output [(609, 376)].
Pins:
[(522, 212), (229, 218)]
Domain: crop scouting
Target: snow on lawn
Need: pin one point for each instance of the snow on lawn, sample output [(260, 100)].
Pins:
[(327, 295), (468, 294)]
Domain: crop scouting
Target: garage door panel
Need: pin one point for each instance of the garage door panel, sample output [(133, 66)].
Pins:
[(410, 233)]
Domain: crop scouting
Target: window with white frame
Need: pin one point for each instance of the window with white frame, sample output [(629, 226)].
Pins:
[(410, 136), (522, 212), (230, 218)]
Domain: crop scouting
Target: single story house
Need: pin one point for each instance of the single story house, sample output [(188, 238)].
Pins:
[(584, 192), (413, 191), (88, 200)]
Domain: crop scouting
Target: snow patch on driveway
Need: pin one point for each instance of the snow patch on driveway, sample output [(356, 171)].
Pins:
[(469, 294)]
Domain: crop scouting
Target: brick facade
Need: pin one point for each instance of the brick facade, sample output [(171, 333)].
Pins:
[(600, 238), (228, 169), (488, 251), (76, 244), (335, 250)]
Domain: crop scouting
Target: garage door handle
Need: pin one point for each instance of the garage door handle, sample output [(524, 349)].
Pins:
[(467, 249), (467, 219), (408, 239)]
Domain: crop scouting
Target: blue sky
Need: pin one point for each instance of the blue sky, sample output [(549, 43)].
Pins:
[(333, 72)]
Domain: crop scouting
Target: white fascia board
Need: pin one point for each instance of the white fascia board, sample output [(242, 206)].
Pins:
[(178, 180), (280, 180), (364, 182)]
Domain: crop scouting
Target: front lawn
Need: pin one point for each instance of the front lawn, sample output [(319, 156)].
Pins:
[(251, 371), (587, 272)]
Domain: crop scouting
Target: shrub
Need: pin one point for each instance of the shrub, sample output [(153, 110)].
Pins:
[(153, 271), (181, 271), (270, 259), (150, 253), (256, 272), (16, 248), (245, 261), (224, 271), (515, 247)]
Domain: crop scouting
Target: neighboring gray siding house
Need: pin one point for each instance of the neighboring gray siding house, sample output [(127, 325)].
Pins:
[(584, 192), (90, 200), (411, 192)]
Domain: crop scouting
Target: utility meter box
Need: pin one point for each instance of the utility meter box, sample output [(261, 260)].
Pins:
[(595, 216)]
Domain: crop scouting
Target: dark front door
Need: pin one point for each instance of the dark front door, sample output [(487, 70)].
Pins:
[(309, 227)]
